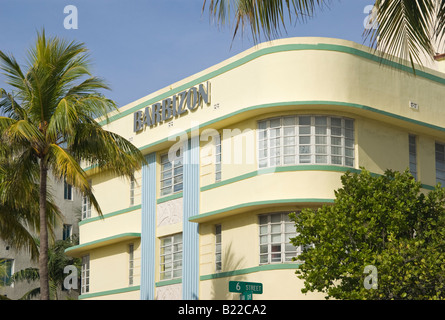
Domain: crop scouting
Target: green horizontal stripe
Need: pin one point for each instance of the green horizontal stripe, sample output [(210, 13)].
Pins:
[(168, 282), (111, 214), (170, 197), (298, 103), (109, 292), (240, 272), (279, 169), (259, 203), (277, 49), (122, 235)]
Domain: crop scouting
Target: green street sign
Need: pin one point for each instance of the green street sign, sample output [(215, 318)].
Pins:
[(241, 287)]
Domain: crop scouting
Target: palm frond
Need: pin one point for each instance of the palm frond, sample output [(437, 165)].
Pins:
[(266, 17), (404, 29)]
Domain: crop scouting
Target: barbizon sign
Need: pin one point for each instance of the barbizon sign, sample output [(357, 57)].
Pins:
[(174, 106)]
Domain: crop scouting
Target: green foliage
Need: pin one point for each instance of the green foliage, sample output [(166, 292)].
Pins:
[(57, 261), (384, 221)]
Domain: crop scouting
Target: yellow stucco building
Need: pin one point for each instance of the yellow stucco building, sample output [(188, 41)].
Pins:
[(233, 149)]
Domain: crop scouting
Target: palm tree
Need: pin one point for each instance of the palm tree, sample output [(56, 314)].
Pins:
[(19, 204), (57, 261), (404, 29), (51, 123)]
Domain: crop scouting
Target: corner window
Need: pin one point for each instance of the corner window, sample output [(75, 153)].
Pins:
[(275, 231), (171, 257), (171, 174), (307, 139)]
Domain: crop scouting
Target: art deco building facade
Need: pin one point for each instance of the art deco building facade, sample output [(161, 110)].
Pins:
[(233, 149)]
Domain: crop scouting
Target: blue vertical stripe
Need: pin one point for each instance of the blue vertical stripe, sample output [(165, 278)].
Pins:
[(148, 228), (190, 262)]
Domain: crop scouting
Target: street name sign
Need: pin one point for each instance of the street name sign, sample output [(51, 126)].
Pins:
[(241, 286)]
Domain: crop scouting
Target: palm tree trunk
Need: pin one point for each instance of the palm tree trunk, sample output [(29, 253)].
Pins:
[(43, 254)]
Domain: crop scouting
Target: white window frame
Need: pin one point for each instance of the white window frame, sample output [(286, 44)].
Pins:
[(170, 262), (171, 174), (275, 230), (306, 139), (85, 274), (86, 208)]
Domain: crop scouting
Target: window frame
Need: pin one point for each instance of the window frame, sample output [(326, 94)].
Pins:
[(412, 152), (5, 279), (175, 240), (67, 191), (312, 140), (132, 190), (283, 234), (177, 164), (440, 164), (218, 248), (85, 274), (67, 231), (130, 264)]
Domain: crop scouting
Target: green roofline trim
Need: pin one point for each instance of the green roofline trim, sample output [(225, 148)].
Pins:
[(277, 49)]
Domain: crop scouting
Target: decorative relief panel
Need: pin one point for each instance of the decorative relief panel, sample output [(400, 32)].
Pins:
[(170, 292), (169, 212)]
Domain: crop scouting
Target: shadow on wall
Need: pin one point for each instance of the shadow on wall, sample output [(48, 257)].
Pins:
[(220, 282)]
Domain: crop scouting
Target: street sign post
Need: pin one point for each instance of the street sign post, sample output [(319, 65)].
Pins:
[(247, 289)]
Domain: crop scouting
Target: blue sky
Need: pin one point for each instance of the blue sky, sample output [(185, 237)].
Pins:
[(140, 46)]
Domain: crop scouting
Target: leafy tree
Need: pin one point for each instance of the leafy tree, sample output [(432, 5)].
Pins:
[(403, 28), (382, 221), (51, 123)]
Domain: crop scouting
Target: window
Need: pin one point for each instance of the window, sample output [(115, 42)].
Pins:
[(67, 231), (85, 276), (171, 174), (413, 156), (440, 164), (132, 185), (131, 263), (86, 205), (217, 158), (6, 267), (67, 191), (86, 208), (218, 264), (305, 139), (171, 257), (275, 231)]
